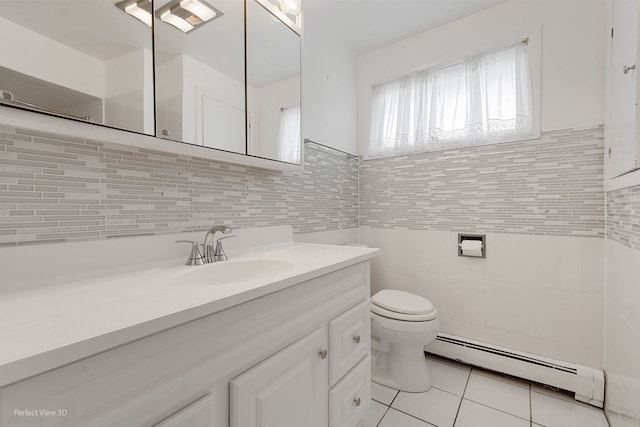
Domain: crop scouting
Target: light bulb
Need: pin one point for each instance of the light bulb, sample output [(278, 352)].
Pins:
[(176, 21), (198, 9)]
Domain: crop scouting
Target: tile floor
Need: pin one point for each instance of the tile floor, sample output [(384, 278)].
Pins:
[(462, 396)]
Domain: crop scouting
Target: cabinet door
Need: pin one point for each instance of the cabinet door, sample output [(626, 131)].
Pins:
[(622, 128), (289, 389)]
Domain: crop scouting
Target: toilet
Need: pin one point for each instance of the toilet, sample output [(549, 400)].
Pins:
[(402, 323)]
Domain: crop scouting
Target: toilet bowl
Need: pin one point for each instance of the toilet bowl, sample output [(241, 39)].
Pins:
[(401, 325)]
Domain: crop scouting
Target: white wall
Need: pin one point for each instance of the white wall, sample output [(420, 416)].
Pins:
[(538, 294), (329, 89), (129, 92), (271, 98), (169, 98), (33, 54), (572, 45), (185, 83), (200, 79), (622, 351)]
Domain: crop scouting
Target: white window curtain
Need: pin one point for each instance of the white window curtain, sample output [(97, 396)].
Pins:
[(482, 99), (289, 138)]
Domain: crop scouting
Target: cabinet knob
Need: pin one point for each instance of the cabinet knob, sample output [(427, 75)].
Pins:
[(323, 354), (357, 339), (357, 401), (628, 68)]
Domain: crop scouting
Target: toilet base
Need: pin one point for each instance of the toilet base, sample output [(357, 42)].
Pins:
[(403, 369)]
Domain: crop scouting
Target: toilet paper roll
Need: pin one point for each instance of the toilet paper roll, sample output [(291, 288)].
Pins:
[(471, 248)]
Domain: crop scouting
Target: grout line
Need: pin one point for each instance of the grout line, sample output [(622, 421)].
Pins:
[(394, 399), (462, 397), (499, 410), (383, 415), (412, 416)]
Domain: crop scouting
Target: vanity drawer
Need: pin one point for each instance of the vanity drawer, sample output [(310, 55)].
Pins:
[(349, 340), (350, 399)]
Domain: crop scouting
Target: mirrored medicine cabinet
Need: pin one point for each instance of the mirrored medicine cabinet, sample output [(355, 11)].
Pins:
[(220, 75)]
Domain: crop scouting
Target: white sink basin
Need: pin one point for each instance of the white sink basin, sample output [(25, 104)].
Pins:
[(222, 272)]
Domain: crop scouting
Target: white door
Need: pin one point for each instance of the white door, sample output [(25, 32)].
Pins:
[(289, 389), (622, 137), (223, 126)]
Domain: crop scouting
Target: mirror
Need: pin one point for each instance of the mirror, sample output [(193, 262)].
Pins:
[(273, 85), (84, 60), (200, 76), (187, 80)]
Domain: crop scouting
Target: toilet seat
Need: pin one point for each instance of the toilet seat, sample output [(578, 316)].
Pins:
[(401, 305)]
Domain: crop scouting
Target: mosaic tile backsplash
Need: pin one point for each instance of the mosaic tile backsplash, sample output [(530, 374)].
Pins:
[(623, 216), (550, 186), (55, 188)]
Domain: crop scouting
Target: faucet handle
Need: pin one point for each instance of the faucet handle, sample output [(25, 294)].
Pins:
[(195, 257), (218, 253)]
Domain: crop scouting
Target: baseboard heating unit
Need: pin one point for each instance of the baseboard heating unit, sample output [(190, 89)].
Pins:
[(587, 383)]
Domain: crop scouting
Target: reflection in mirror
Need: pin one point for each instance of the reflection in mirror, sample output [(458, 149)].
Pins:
[(288, 11), (63, 57), (200, 74), (273, 87)]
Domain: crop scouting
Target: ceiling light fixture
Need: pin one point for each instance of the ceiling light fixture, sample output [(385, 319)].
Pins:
[(139, 9), (187, 15)]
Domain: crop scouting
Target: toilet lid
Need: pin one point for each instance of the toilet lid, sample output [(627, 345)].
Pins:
[(403, 302)]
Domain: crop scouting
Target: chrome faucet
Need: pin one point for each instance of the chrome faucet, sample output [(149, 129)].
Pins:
[(208, 253), (217, 254)]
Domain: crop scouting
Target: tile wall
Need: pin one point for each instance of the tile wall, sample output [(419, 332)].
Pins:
[(622, 346), (55, 189), (541, 205), (540, 289), (551, 186)]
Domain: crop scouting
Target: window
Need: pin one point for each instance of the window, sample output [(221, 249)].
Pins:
[(289, 138), (483, 99)]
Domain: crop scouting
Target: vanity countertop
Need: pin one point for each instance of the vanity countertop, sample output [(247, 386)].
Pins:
[(45, 327)]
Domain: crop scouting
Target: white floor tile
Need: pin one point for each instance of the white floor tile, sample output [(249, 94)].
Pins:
[(434, 406), (499, 395), (382, 394), (394, 418), (503, 378), (475, 415), (374, 414), (551, 412), (618, 420), (447, 377)]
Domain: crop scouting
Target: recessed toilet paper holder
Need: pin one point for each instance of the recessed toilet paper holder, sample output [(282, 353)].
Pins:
[(472, 247)]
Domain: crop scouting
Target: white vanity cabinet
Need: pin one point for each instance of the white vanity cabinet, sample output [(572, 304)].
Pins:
[(623, 123), (198, 413), (288, 387), (267, 353), (296, 383)]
